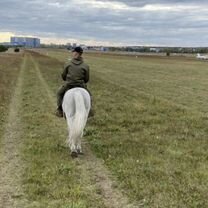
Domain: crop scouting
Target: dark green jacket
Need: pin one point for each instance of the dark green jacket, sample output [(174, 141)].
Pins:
[(76, 73)]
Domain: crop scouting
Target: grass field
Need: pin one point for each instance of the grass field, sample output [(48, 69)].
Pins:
[(150, 131), (9, 68)]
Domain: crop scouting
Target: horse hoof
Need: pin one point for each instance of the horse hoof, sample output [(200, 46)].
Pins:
[(80, 152), (74, 154)]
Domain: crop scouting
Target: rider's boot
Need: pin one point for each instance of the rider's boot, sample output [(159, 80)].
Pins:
[(59, 112), (91, 113)]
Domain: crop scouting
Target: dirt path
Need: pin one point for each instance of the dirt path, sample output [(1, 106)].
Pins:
[(92, 167), (10, 162)]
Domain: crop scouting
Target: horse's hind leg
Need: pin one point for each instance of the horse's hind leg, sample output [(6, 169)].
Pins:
[(79, 145), (79, 148), (71, 143), (73, 148), (74, 154)]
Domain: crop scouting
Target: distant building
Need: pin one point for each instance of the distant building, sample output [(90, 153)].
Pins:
[(104, 48), (84, 47), (26, 42), (156, 50), (98, 48), (74, 45)]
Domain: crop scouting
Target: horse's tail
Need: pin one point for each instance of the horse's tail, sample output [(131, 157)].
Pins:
[(80, 116)]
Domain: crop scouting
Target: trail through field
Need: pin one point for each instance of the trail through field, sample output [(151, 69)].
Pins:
[(163, 150), (10, 162), (150, 129), (91, 167)]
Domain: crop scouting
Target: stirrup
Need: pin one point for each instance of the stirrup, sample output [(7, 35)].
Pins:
[(59, 113)]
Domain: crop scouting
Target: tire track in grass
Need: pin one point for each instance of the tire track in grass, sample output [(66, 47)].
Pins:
[(92, 168), (10, 160), (44, 84), (86, 185)]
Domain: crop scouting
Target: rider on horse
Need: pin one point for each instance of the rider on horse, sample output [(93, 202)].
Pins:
[(75, 74)]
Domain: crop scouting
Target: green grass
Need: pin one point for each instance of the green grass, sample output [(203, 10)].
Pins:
[(178, 80), (50, 178), (150, 129), (151, 126), (9, 69)]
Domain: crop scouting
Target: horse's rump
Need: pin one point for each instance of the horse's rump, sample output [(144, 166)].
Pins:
[(78, 94)]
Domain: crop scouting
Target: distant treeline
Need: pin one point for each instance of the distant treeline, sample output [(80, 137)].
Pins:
[(3, 48), (159, 50), (142, 49)]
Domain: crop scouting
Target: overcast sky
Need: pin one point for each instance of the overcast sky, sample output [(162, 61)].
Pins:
[(115, 22)]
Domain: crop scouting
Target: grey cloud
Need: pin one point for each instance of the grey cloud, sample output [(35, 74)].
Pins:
[(141, 3), (45, 18)]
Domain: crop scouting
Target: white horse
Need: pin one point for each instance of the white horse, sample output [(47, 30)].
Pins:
[(76, 106)]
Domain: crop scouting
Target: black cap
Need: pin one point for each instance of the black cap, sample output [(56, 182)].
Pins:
[(77, 49)]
